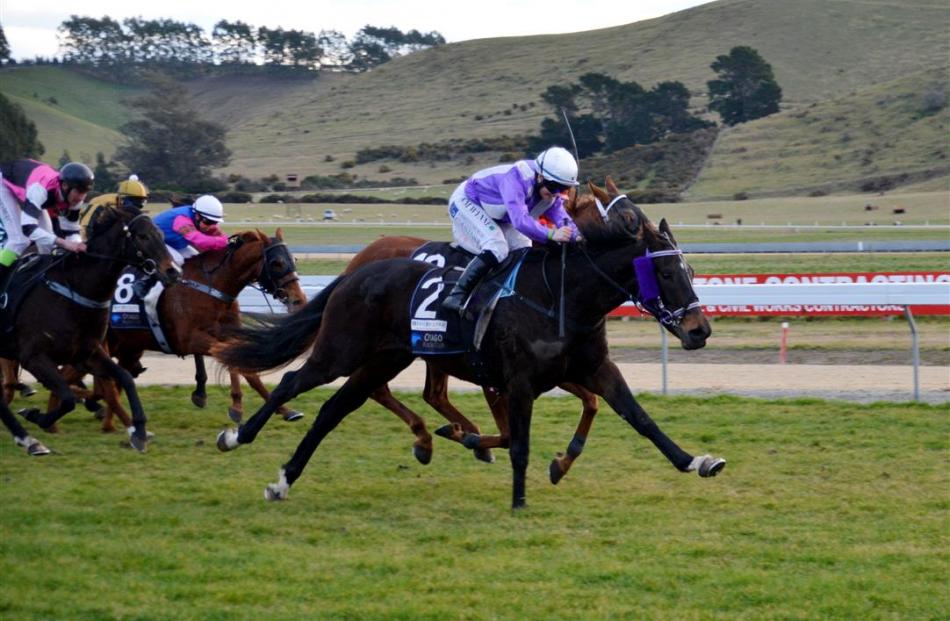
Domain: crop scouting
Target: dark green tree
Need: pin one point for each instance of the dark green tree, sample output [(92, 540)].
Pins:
[(4, 48), (746, 88), (91, 41), (18, 138), (65, 158), (170, 146), (106, 176)]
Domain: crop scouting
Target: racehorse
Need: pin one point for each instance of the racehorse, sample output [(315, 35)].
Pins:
[(200, 308), (64, 313), (435, 393), (359, 327)]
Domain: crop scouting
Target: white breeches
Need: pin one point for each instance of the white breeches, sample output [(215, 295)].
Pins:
[(475, 231)]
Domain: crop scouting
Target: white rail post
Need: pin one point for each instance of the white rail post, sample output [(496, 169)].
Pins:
[(664, 355)]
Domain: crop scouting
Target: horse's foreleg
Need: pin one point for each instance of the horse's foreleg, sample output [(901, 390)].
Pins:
[(236, 410), (520, 405), (461, 429), (200, 395), (107, 389), (103, 365), (32, 446), (255, 382), (422, 448), (607, 382), (563, 462), (354, 393)]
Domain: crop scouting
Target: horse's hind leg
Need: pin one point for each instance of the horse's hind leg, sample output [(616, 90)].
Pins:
[(563, 462), (199, 395), (354, 393), (10, 370), (422, 448), (254, 381), (436, 394), (46, 371), (312, 374)]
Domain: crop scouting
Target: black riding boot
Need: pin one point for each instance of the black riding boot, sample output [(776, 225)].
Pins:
[(143, 284), (476, 268)]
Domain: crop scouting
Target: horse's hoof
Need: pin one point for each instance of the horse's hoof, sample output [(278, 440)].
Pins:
[(93, 405), (54, 428), (27, 391), (292, 415), (485, 455), (227, 440), (555, 472), (137, 442), (109, 429), (235, 416), (710, 466), (278, 490), (33, 447), (518, 504), (199, 400), (422, 455)]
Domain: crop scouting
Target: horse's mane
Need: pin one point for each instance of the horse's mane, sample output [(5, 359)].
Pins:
[(104, 218), (217, 257)]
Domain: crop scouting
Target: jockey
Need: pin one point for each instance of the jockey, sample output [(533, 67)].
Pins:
[(31, 194), (189, 230), (131, 193), (496, 210)]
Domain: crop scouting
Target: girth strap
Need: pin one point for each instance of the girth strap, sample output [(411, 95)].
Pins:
[(71, 295)]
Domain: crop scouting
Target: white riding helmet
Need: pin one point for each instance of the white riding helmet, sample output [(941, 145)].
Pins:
[(210, 208), (558, 165)]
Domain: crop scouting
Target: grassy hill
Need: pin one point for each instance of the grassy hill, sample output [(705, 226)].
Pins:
[(72, 111), (839, 56)]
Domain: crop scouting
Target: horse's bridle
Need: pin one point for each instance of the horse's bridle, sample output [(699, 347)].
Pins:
[(147, 265), (647, 296), (276, 283)]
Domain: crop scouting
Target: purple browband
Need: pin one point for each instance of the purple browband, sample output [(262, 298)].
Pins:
[(648, 295)]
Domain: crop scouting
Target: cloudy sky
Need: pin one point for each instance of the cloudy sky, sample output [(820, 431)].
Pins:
[(30, 25)]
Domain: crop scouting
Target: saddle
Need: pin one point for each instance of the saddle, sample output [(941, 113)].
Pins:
[(437, 331), (27, 272)]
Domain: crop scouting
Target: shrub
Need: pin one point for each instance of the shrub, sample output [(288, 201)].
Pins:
[(234, 197)]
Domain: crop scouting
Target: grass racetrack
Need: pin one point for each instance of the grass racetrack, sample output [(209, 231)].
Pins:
[(827, 510)]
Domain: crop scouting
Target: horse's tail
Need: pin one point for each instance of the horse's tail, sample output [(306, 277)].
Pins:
[(278, 341)]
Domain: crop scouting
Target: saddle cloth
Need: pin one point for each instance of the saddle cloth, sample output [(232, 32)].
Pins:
[(437, 331), (130, 312)]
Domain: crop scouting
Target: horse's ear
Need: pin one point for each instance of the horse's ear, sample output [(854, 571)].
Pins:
[(598, 193), (280, 234), (611, 186), (665, 229)]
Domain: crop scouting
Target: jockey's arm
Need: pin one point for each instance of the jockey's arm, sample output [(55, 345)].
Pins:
[(512, 192), (30, 214), (558, 215), (184, 226)]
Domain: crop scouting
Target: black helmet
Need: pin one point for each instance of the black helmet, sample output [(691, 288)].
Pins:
[(76, 176)]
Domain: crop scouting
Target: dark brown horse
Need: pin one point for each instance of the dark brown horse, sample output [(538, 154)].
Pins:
[(63, 317), (201, 307), (359, 327), (584, 211)]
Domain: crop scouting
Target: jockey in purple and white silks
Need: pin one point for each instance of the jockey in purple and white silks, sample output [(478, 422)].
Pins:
[(31, 194), (496, 210)]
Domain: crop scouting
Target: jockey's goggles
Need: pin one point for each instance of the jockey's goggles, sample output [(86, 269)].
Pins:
[(554, 187)]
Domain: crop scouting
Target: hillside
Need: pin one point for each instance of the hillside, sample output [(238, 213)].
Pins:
[(867, 140), (836, 55)]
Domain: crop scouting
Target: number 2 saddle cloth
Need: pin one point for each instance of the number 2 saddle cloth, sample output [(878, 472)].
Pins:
[(437, 331)]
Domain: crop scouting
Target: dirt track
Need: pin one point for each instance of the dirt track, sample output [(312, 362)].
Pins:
[(860, 383)]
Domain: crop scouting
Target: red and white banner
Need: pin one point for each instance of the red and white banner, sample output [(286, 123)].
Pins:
[(752, 310)]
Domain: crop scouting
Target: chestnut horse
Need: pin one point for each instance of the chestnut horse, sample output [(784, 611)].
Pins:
[(201, 308), (63, 317), (359, 327)]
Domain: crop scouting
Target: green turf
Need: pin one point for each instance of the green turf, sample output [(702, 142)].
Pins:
[(825, 511)]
